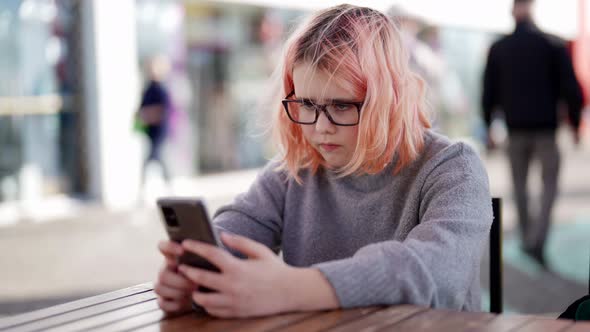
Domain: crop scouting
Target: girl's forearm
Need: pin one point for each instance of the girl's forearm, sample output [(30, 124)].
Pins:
[(310, 290)]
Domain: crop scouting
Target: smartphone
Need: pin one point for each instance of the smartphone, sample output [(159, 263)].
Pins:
[(187, 218)]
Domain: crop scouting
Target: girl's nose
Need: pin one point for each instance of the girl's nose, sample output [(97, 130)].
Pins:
[(323, 125)]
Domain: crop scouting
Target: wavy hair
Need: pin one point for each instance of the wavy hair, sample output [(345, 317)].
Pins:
[(362, 49)]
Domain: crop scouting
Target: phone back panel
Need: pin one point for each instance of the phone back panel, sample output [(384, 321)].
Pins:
[(187, 219)]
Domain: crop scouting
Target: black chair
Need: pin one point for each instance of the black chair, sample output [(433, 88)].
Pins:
[(496, 257)]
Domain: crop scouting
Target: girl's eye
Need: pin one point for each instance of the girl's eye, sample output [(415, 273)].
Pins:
[(307, 106), (342, 107)]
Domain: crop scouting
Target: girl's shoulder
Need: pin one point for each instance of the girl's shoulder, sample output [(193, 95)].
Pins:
[(273, 171), (441, 152)]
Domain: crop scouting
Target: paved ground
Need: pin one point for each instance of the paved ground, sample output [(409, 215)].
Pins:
[(97, 251)]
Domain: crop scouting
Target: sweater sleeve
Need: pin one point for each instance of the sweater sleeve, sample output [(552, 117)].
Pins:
[(440, 257), (257, 213)]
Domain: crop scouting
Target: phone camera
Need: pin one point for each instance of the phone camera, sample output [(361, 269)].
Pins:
[(170, 217)]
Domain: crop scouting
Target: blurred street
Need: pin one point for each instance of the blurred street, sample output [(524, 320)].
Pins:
[(46, 263)]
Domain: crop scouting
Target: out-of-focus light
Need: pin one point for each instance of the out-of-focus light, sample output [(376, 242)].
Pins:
[(170, 19), (147, 11), (53, 50), (27, 9), (47, 11), (557, 17)]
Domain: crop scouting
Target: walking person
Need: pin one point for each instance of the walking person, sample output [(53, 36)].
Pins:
[(527, 73), (154, 112)]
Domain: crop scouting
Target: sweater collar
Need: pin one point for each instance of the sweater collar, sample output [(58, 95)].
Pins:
[(364, 182)]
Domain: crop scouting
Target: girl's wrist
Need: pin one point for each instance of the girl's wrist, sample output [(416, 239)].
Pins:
[(308, 289)]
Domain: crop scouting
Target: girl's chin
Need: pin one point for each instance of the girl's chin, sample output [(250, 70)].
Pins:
[(333, 164)]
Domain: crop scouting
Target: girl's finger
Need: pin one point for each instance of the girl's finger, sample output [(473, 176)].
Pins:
[(244, 245), (170, 293), (169, 306), (215, 255), (212, 300), (204, 278), (221, 312), (175, 280), (171, 263), (170, 249)]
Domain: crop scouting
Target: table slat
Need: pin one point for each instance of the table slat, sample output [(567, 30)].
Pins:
[(545, 325), (506, 323), (330, 319), (27, 318), (132, 323), (380, 318), (107, 318), (462, 321), (190, 321), (442, 320), (85, 312), (579, 327), (210, 324)]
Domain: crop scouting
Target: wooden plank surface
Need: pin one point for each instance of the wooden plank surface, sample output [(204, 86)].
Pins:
[(463, 321), (506, 323), (107, 318), (34, 316), (132, 323), (330, 319), (85, 312), (191, 321), (135, 308), (579, 327), (209, 324), (442, 320), (380, 318), (545, 325)]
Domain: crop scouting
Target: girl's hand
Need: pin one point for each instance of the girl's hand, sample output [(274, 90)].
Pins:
[(173, 289), (259, 285)]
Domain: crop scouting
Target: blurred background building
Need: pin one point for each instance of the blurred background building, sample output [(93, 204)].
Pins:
[(71, 75)]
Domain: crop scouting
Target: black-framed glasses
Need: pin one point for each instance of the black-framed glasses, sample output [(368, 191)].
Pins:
[(306, 112)]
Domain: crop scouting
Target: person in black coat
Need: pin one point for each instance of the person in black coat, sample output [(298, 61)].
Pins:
[(527, 73)]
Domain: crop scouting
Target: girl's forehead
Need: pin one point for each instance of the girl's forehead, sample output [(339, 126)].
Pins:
[(318, 84)]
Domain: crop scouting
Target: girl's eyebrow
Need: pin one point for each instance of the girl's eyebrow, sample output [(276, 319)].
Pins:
[(330, 101)]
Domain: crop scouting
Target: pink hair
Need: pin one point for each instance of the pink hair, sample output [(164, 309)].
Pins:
[(362, 49)]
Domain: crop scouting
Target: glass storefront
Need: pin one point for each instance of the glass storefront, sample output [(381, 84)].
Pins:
[(221, 56), (38, 117)]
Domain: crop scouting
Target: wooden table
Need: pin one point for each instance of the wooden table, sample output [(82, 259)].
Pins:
[(135, 308)]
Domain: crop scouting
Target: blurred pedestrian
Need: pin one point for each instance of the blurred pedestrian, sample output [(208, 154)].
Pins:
[(445, 95), (155, 111), (527, 73)]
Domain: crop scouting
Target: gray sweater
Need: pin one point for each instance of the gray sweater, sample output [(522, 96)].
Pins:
[(416, 237)]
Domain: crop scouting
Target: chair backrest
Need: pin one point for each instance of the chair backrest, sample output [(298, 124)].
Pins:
[(496, 257)]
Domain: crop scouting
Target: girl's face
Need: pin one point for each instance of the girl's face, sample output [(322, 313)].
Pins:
[(335, 143)]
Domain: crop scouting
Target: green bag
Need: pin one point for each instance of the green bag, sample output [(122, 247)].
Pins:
[(138, 124)]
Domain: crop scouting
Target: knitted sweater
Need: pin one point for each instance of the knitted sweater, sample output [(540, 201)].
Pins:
[(415, 237)]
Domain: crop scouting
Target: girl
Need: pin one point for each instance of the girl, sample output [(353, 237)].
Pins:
[(366, 204)]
